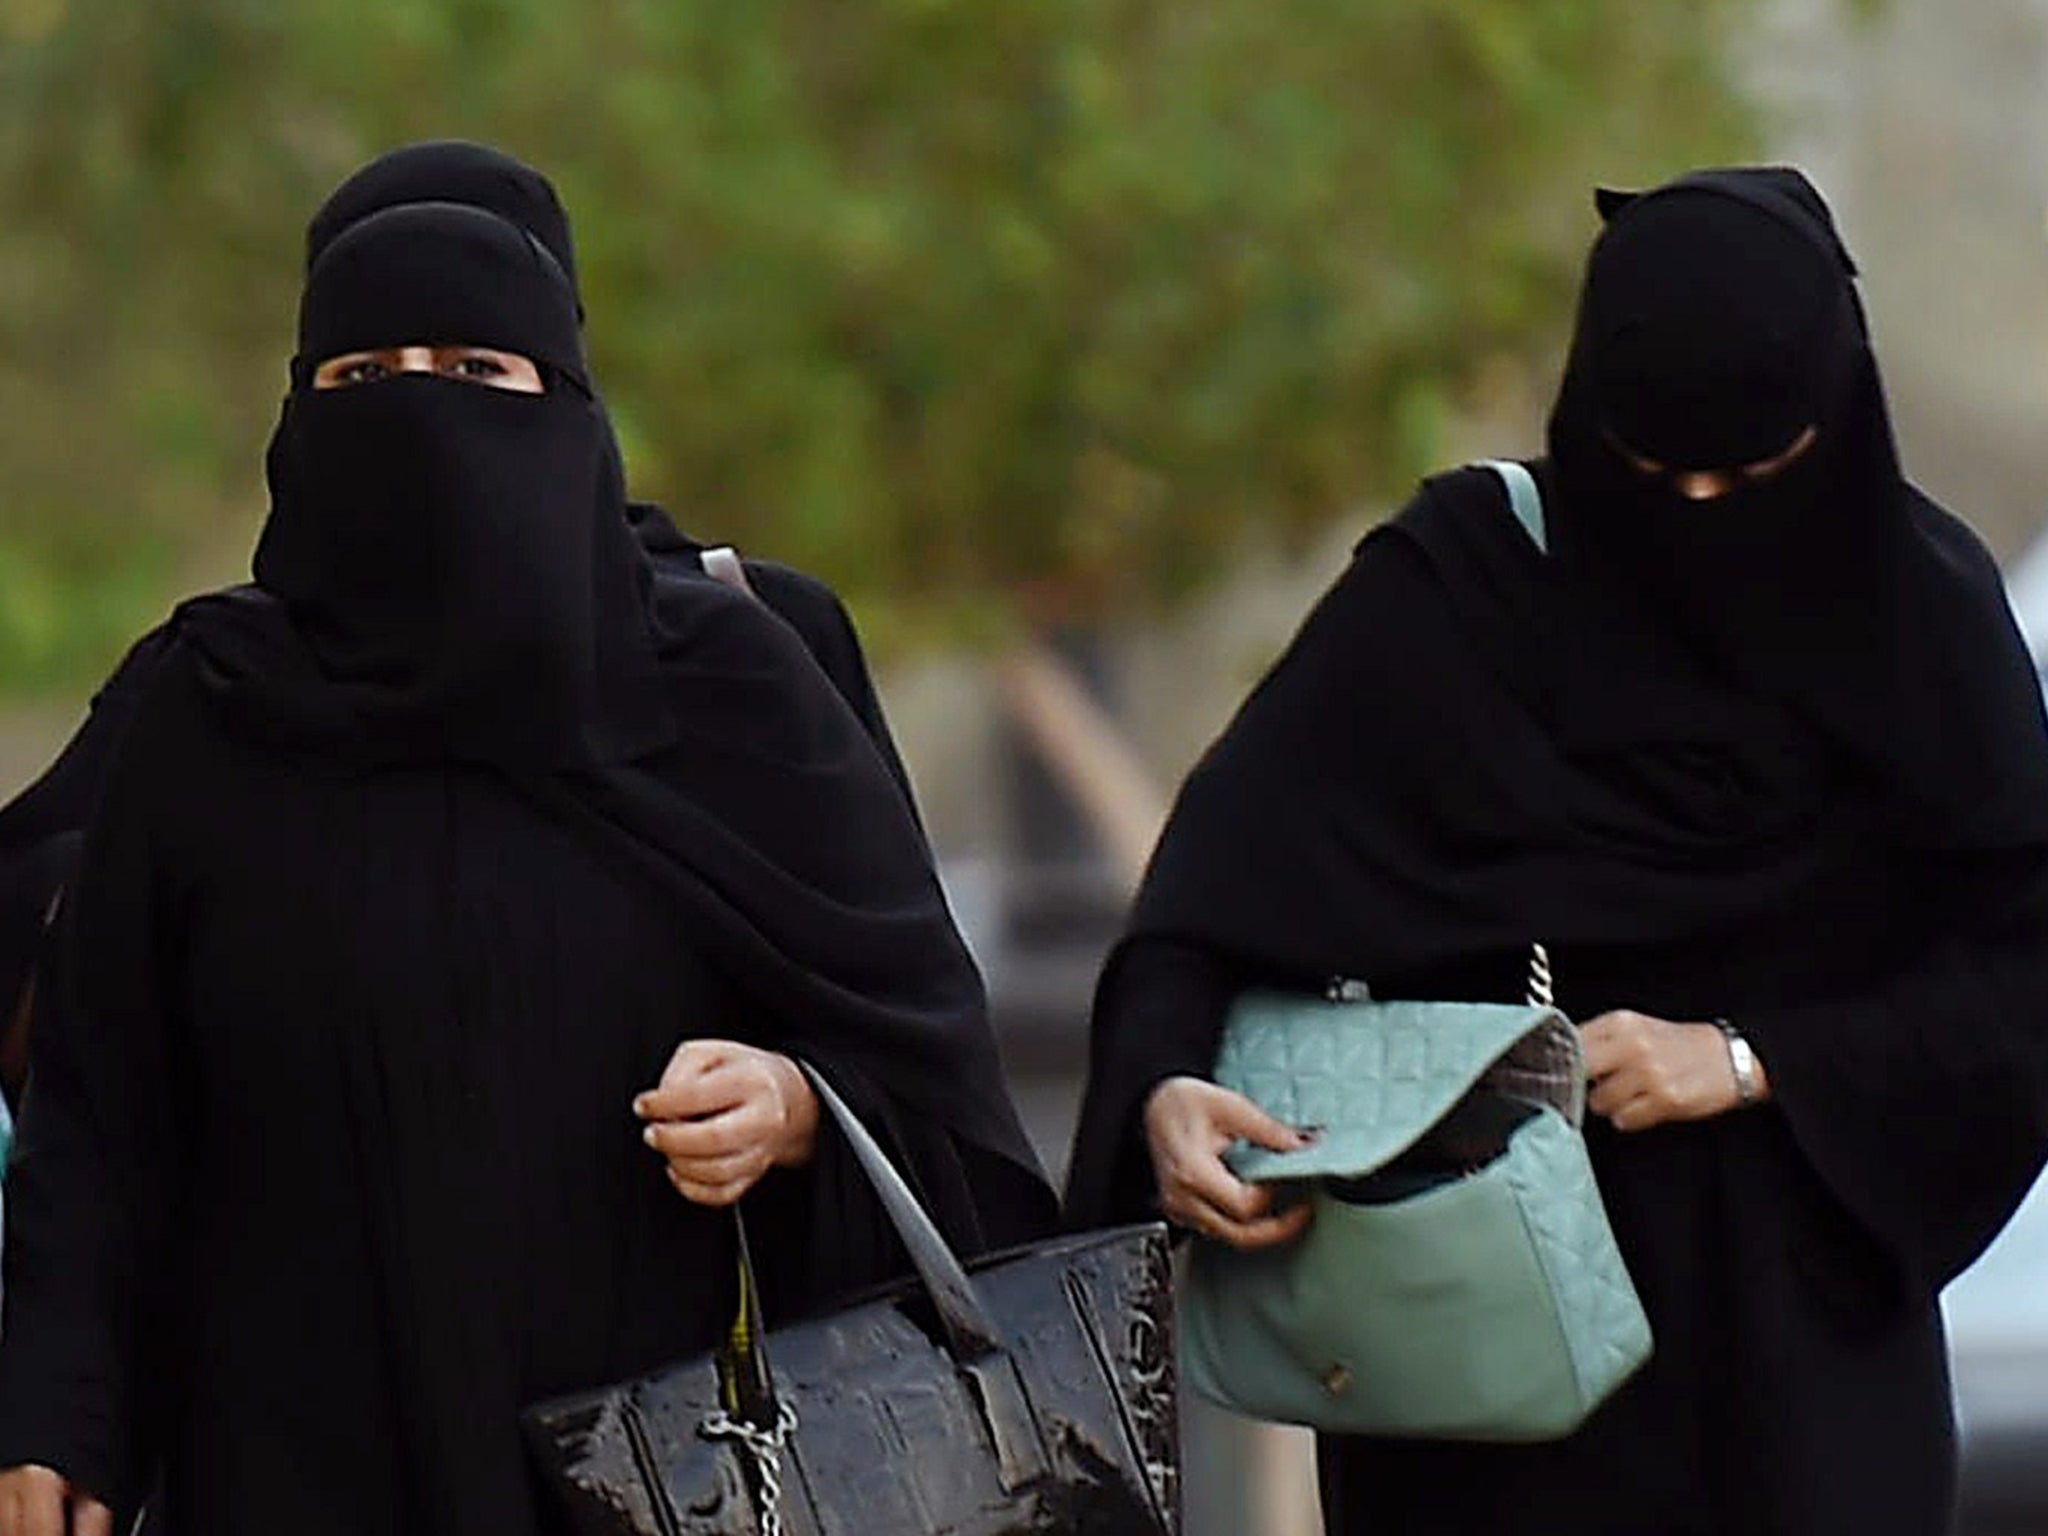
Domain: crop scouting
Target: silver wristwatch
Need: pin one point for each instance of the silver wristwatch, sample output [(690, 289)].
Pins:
[(1742, 1062)]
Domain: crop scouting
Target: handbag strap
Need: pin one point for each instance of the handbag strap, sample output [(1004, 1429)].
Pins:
[(973, 1341), (746, 1384), (1525, 498), (961, 1314), (965, 1321), (970, 1333), (724, 565), (1548, 1064), (1542, 989)]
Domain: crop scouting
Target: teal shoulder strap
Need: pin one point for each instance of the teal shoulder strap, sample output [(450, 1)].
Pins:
[(1523, 496)]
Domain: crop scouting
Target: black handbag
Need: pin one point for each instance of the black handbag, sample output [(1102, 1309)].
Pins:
[(1034, 1396)]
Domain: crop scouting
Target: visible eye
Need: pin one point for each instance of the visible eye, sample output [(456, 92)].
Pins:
[(489, 367), (477, 366), (351, 369)]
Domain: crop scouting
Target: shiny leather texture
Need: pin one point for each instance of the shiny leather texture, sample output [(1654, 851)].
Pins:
[(1030, 1394), (890, 1437)]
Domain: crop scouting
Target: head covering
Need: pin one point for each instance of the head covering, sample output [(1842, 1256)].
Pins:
[(449, 171), (447, 575), (1680, 727), (1719, 321), (1679, 716), (456, 557)]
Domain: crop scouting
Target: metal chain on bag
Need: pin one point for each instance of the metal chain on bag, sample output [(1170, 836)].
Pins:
[(765, 1447), (1546, 1066), (1542, 994), (746, 1391)]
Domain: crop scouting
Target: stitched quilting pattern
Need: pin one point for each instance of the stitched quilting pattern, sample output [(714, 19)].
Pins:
[(1375, 1076), (1603, 1321)]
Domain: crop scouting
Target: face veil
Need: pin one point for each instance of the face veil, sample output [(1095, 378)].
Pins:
[(447, 577), (1718, 322), (456, 557)]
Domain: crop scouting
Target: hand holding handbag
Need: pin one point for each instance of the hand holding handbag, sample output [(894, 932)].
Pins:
[(1460, 1280), (1032, 1395)]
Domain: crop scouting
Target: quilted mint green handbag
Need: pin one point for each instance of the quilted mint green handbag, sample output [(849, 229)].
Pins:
[(1460, 1280)]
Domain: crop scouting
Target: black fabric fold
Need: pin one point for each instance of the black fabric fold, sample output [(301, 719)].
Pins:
[(1777, 756), (413, 862)]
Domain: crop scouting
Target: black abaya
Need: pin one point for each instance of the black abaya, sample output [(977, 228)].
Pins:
[(40, 827), (1775, 757), (355, 1058), (415, 863), (1788, 1255)]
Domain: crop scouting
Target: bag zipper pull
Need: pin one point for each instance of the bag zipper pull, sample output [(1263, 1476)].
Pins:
[(1347, 989)]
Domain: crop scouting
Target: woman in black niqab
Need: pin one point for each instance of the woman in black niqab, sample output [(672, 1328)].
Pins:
[(1755, 740), (40, 828), (417, 863)]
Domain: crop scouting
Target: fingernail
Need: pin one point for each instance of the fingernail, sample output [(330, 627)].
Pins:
[(648, 1135), (640, 1105), (1309, 1133)]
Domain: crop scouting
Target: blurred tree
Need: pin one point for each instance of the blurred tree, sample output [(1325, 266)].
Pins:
[(987, 310)]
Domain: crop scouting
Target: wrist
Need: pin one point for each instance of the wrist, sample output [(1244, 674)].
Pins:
[(799, 1114), (1745, 1067)]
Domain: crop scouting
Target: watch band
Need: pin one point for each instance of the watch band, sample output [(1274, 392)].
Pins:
[(1742, 1062)]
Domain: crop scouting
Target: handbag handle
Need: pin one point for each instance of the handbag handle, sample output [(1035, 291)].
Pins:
[(973, 1341), (970, 1333)]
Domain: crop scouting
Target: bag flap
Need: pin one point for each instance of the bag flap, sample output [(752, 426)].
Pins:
[(1375, 1076)]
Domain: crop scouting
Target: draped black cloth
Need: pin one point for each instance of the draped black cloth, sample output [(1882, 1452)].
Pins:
[(1777, 756), (40, 828), (396, 894), (450, 171)]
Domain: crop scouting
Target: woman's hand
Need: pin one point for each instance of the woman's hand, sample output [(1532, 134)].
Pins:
[(1189, 1124), (723, 1115), (1648, 1071), (35, 1501)]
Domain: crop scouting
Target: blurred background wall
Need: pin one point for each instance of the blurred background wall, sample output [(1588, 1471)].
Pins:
[(1075, 340)]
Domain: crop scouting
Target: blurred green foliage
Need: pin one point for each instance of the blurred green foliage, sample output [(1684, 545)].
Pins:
[(978, 307)]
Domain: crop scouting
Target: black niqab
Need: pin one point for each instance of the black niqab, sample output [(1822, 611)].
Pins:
[(390, 905), (1685, 717), (1778, 757), (448, 573), (1719, 321), (1659, 728), (456, 557), (39, 830)]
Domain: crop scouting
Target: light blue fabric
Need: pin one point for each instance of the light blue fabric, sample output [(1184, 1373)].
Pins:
[(1491, 1307), (1524, 496), (1375, 1077)]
